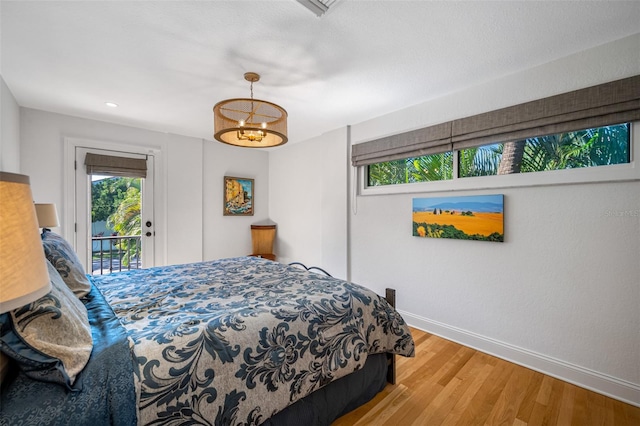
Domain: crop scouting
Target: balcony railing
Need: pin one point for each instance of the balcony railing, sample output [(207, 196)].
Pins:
[(115, 254)]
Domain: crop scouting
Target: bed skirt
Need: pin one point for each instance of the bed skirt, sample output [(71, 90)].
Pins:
[(327, 404)]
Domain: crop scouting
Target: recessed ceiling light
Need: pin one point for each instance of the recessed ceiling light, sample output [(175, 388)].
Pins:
[(111, 104)]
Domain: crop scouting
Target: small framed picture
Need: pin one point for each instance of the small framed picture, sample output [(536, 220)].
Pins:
[(238, 196)]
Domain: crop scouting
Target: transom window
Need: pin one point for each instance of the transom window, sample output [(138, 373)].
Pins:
[(594, 147)]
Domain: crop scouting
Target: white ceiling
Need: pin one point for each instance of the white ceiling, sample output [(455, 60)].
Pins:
[(166, 63)]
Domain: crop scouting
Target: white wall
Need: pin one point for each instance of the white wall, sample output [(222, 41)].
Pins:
[(308, 201), (9, 130), (563, 285), (230, 236), (189, 222)]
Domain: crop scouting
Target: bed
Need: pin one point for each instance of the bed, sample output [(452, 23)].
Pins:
[(240, 341)]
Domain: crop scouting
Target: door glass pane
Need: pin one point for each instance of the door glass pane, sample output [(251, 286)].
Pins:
[(115, 224)]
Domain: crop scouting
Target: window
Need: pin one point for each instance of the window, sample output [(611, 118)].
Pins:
[(426, 168), (599, 146), (504, 142)]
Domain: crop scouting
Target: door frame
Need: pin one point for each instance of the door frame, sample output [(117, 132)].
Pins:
[(69, 216)]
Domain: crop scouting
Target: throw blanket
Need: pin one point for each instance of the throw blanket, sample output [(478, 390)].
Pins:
[(234, 341)]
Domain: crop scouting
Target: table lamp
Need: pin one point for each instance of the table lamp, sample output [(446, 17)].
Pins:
[(47, 216), (23, 269)]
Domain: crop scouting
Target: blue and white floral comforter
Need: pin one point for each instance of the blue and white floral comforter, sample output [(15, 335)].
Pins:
[(234, 341)]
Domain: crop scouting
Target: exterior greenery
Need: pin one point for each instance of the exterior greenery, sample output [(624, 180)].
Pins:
[(108, 193), (125, 220), (585, 148), (419, 169)]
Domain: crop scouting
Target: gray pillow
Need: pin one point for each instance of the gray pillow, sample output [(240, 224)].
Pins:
[(51, 337), (61, 255)]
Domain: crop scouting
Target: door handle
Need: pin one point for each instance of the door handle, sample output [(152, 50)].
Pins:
[(148, 224), (148, 234)]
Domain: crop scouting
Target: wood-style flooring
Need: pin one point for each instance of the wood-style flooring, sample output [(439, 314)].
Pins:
[(450, 384)]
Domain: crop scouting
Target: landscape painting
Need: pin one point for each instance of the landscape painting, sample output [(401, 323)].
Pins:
[(476, 217)]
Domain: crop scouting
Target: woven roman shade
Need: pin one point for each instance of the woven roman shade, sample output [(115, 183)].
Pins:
[(607, 104), (415, 143), (111, 165)]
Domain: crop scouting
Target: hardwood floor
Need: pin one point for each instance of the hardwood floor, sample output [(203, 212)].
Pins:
[(450, 384)]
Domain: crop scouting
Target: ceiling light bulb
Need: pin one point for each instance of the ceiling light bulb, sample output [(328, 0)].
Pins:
[(111, 104), (241, 123), (264, 125)]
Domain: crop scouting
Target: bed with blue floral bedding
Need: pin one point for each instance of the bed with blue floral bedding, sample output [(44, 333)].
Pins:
[(242, 341)]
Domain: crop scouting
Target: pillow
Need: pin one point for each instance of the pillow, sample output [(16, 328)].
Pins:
[(61, 255), (51, 337)]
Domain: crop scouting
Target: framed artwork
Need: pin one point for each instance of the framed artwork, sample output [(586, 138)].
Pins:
[(476, 217), (238, 196)]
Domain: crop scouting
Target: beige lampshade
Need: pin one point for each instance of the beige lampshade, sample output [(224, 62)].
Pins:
[(23, 271), (47, 215)]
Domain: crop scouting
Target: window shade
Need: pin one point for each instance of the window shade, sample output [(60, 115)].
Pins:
[(115, 166), (425, 141), (606, 104)]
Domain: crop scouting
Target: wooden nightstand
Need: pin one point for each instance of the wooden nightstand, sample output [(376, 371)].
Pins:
[(262, 238)]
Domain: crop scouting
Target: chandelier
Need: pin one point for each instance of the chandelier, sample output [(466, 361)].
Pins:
[(250, 123)]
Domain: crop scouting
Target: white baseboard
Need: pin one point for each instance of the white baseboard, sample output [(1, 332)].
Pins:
[(589, 379)]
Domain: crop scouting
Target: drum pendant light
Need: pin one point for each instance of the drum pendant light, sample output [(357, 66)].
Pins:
[(250, 123)]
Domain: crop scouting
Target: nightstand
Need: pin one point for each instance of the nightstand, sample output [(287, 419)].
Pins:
[(262, 238)]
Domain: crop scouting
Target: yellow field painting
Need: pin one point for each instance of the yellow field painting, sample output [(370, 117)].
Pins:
[(470, 217), (480, 223)]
